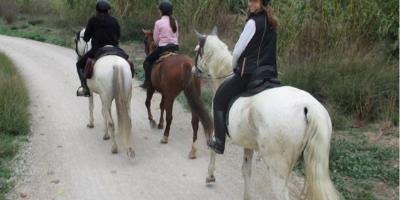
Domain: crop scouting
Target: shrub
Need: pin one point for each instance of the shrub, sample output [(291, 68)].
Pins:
[(8, 10)]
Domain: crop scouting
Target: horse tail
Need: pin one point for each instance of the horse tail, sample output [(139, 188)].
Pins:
[(122, 95), (316, 155), (192, 92)]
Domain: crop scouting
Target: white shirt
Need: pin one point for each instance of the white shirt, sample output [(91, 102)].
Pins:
[(244, 40)]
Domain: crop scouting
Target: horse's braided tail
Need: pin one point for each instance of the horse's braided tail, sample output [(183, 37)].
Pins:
[(193, 96)]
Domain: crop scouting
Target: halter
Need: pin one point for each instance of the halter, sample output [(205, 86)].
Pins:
[(200, 52)]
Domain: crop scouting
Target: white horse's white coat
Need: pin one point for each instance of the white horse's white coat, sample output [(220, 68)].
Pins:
[(282, 124), (111, 80)]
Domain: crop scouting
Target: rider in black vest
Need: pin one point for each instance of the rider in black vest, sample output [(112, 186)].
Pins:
[(255, 50), (103, 29)]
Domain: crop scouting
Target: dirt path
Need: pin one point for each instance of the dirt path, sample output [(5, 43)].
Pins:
[(65, 160)]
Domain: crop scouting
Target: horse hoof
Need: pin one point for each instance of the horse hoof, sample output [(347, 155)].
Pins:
[(164, 140), (114, 150), (131, 153), (210, 179), (192, 156), (106, 137), (90, 125), (160, 126), (153, 124)]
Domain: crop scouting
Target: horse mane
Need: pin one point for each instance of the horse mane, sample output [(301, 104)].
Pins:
[(217, 58)]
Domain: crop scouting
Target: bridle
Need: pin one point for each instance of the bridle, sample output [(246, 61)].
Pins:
[(77, 40), (199, 72)]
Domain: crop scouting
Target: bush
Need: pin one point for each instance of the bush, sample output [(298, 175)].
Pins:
[(365, 88), (14, 118), (8, 10)]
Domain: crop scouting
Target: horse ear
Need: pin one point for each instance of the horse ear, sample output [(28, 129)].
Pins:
[(214, 31), (199, 35)]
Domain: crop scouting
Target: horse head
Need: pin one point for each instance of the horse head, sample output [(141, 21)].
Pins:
[(149, 42), (81, 46), (202, 39)]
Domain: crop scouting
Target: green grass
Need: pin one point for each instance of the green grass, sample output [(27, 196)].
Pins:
[(35, 29), (14, 119)]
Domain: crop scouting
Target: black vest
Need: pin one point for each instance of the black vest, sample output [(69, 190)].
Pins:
[(261, 50)]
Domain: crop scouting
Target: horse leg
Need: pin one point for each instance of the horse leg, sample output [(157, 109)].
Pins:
[(246, 170), (111, 129), (150, 93), (211, 168), (106, 133), (279, 170), (169, 104), (91, 107), (195, 126), (162, 108)]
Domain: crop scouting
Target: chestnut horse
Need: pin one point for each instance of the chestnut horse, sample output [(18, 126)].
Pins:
[(170, 76)]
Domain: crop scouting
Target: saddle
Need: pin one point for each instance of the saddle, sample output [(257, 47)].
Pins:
[(106, 51), (264, 78), (165, 55)]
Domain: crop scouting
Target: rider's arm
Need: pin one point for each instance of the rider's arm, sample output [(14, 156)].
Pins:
[(156, 33), (89, 31), (244, 40)]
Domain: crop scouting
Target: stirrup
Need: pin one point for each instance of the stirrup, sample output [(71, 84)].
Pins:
[(83, 92)]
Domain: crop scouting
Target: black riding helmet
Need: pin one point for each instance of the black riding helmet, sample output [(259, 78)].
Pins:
[(103, 6), (166, 7)]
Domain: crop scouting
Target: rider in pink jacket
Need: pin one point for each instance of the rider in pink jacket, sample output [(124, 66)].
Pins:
[(165, 36)]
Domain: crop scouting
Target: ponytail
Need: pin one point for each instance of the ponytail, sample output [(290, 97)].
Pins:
[(172, 23)]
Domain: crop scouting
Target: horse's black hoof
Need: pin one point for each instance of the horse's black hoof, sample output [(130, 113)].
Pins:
[(210, 179)]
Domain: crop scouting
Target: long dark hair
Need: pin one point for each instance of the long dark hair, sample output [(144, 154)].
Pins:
[(269, 11), (172, 23)]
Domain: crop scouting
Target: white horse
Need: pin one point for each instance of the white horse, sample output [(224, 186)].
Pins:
[(282, 124), (111, 80)]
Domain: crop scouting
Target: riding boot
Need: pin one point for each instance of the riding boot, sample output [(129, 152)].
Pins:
[(147, 74), (218, 142), (83, 90)]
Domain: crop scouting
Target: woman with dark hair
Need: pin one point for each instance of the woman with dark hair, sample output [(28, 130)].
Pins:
[(165, 35), (255, 50), (103, 29)]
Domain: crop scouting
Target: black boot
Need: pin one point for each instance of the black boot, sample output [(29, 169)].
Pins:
[(218, 143), (83, 90), (147, 75)]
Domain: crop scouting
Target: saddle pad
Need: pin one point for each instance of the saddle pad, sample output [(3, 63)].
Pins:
[(89, 68)]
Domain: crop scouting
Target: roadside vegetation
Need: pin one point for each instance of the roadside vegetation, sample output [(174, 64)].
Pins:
[(343, 52), (14, 119)]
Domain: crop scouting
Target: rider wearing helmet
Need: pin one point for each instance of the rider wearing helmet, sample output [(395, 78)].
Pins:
[(255, 50), (103, 30), (165, 37)]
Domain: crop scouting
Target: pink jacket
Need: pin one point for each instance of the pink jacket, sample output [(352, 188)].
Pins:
[(163, 34)]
